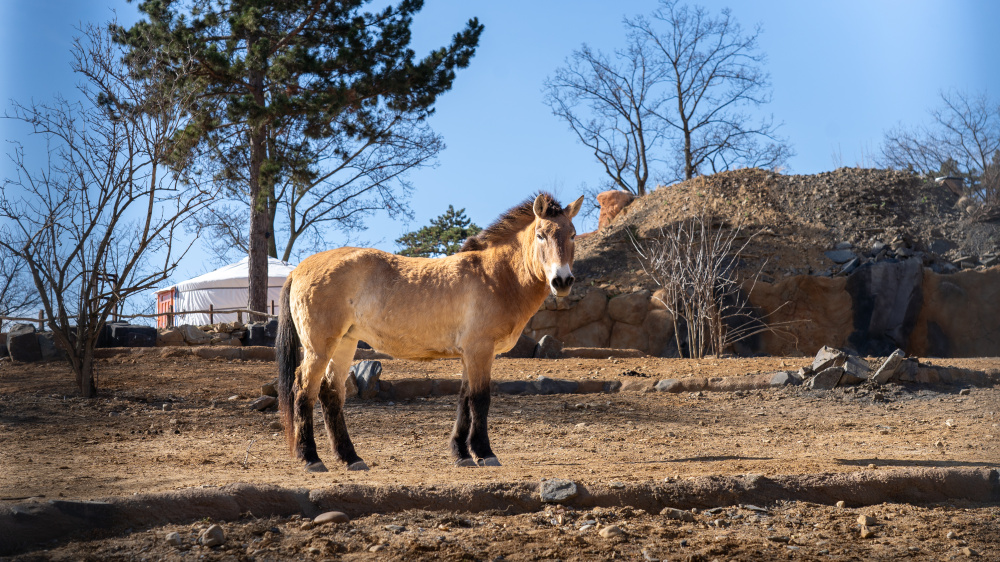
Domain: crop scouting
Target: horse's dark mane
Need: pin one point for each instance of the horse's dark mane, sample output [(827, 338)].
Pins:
[(511, 222)]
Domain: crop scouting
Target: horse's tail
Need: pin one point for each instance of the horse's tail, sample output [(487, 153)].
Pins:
[(286, 354)]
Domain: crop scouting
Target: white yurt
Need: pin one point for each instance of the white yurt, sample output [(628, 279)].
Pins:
[(224, 288)]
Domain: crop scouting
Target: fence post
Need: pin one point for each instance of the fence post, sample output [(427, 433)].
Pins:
[(272, 308), (211, 313), (239, 316), (170, 317), (41, 320)]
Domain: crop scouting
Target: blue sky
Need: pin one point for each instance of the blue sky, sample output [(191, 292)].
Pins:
[(842, 73)]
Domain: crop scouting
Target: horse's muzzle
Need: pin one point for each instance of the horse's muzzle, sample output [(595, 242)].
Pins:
[(562, 285)]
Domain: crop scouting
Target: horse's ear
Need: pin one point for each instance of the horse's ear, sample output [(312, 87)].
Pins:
[(574, 207), (541, 205)]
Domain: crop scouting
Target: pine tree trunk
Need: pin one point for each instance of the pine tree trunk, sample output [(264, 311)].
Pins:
[(259, 215)]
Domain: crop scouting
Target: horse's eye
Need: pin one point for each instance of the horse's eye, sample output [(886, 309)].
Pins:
[(540, 236)]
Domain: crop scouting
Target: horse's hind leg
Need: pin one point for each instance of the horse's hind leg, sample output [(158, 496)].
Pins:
[(332, 394), (308, 379), (471, 428)]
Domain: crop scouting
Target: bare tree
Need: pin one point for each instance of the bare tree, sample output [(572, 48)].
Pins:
[(341, 180), (96, 223), (685, 85), (18, 295), (963, 138)]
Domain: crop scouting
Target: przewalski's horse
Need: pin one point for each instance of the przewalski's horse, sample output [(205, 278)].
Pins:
[(472, 305)]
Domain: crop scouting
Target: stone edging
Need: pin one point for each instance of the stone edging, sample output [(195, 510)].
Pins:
[(32, 523)]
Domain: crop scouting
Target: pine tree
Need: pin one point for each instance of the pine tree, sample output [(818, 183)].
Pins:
[(321, 67), (443, 237)]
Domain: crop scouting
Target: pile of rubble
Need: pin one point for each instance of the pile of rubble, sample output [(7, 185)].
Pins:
[(833, 368)]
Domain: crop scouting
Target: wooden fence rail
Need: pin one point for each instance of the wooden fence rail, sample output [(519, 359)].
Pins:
[(170, 315)]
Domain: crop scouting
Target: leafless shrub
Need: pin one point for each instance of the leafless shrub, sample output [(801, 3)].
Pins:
[(695, 262)]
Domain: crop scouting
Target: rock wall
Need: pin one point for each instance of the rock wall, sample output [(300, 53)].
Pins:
[(876, 309)]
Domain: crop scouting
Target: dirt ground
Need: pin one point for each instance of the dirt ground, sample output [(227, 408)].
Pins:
[(56, 445)]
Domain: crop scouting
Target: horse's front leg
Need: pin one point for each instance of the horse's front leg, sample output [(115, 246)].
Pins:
[(471, 436)]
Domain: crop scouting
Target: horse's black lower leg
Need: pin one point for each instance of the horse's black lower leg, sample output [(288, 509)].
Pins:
[(305, 443), (336, 427), (460, 435), (479, 439)]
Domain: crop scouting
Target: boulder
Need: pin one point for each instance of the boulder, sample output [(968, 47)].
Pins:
[(557, 490), (47, 345), (22, 343), (659, 328), (367, 375), (612, 204), (888, 369), (595, 334), (546, 385), (193, 335), (840, 256), (549, 348), (588, 310), (827, 357), (628, 336), (629, 308), (170, 337), (825, 379), (524, 348)]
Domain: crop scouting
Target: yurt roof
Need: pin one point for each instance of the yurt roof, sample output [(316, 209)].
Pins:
[(237, 275)]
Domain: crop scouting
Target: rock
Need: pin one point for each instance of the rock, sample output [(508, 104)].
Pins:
[(170, 337), (331, 517), (263, 403), (612, 203), (588, 310), (629, 308), (889, 367), (173, 539), (867, 532), (514, 387), (966, 551), (857, 367), (843, 245), (888, 297), (549, 348), (866, 520), (270, 389), (840, 256), (524, 348), (351, 386), (628, 336), (193, 335), (849, 267), (212, 536), (395, 528), (965, 392), (22, 343), (677, 514), (669, 385), (47, 345), (556, 490), (595, 334), (825, 379), (841, 503), (367, 375), (659, 328), (827, 357), (167, 406), (546, 385), (781, 378), (611, 531)]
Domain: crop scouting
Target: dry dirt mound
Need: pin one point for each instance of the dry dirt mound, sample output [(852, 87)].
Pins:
[(798, 217)]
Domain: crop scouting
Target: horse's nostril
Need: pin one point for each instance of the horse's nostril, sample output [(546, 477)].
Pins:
[(569, 280)]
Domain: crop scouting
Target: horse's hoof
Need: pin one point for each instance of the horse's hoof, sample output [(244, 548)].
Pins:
[(357, 465), (466, 463), (489, 461), (317, 466)]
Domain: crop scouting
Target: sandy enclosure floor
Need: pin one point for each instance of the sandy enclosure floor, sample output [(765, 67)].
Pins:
[(56, 445)]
